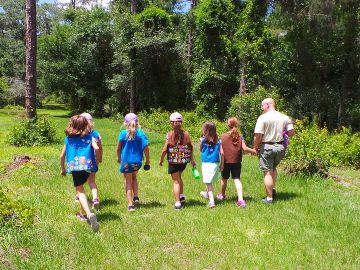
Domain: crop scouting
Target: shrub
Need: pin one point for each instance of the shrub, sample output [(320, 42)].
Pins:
[(32, 132), (14, 212), (313, 150), (247, 109)]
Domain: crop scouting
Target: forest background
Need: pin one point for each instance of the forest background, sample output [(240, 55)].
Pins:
[(138, 55)]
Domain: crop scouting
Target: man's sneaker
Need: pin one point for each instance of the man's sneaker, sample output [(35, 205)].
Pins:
[(76, 199), (96, 204), (182, 201), (131, 208), (241, 204), (274, 193), (93, 222), (136, 200), (204, 194), (220, 197), (211, 205), (177, 206), (267, 201)]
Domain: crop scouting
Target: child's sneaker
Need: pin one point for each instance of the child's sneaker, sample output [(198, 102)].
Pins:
[(182, 201), (93, 222), (96, 204), (211, 204), (267, 201), (80, 216), (241, 204), (131, 208), (177, 206), (76, 199), (220, 197), (136, 200), (204, 194)]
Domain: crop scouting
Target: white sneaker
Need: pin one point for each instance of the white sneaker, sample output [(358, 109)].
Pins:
[(211, 204), (204, 194)]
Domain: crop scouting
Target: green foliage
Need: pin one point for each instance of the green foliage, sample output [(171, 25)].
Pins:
[(158, 120), (247, 108), (32, 132), (313, 150), (154, 19), (14, 212), (3, 87)]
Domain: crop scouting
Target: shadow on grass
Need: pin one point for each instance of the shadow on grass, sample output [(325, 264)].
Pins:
[(286, 196), (193, 203), (109, 202), (104, 216), (152, 204)]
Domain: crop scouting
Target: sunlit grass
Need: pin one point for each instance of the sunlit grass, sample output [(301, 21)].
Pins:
[(313, 224)]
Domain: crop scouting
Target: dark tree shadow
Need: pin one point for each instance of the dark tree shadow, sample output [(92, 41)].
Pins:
[(104, 216), (152, 204), (108, 202)]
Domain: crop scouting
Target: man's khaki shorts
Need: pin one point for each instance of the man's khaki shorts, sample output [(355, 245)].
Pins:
[(271, 155)]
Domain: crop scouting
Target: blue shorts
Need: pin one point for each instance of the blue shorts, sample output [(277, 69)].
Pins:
[(130, 167)]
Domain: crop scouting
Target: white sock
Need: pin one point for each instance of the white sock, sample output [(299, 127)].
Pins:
[(211, 196), (177, 203), (269, 198)]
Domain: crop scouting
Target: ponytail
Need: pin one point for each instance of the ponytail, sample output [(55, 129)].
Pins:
[(234, 133)]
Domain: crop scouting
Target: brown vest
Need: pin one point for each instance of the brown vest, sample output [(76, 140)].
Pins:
[(232, 153)]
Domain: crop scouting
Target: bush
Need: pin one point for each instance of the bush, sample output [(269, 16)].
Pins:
[(247, 108), (158, 120), (313, 150), (14, 212), (32, 132)]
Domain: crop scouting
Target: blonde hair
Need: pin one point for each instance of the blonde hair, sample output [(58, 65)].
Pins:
[(131, 127)]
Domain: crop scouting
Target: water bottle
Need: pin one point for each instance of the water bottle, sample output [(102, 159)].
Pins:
[(196, 173)]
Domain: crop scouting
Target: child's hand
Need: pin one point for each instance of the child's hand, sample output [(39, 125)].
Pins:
[(63, 172), (161, 162), (119, 160), (193, 163), (221, 166)]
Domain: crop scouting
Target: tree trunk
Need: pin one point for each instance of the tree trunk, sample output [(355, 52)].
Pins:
[(133, 97), (30, 65)]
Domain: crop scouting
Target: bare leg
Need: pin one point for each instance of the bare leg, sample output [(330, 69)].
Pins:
[(128, 187), (176, 177), (84, 207), (269, 183), (181, 184), (135, 185), (93, 186), (210, 191), (223, 186), (239, 189)]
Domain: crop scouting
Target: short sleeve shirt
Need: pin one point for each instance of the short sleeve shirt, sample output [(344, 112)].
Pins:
[(96, 135), (132, 149), (232, 152), (272, 124), (210, 152)]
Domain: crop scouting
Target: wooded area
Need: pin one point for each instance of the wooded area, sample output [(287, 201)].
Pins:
[(137, 55)]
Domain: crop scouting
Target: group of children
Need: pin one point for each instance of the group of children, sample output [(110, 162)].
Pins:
[(83, 152)]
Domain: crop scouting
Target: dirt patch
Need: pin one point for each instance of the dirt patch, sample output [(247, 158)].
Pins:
[(340, 180), (5, 261), (24, 253), (18, 161)]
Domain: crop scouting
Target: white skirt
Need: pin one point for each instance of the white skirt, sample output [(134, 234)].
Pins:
[(210, 172)]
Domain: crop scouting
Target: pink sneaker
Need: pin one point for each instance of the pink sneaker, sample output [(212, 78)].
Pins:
[(220, 197), (241, 204)]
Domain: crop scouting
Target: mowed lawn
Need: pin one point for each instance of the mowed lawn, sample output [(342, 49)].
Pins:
[(314, 224)]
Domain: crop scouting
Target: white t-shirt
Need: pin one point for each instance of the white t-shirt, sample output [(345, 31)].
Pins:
[(272, 125)]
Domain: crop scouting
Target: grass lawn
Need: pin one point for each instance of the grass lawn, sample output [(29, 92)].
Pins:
[(315, 223)]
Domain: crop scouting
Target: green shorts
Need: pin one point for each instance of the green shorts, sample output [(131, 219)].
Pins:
[(271, 155)]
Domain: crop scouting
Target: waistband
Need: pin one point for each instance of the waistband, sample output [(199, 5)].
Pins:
[(273, 142)]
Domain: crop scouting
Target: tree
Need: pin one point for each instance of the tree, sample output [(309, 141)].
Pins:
[(31, 46)]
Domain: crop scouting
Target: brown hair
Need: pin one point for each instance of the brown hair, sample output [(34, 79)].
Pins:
[(234, 133), (78, 126), (178, 133), (209, 132)]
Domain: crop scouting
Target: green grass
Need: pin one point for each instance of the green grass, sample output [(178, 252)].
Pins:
[(314, 224)]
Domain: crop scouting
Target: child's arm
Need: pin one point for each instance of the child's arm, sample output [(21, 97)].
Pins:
[(100, 150), (118, 151), (193, 163), (221, 158), (247, 149), (62, 161), (163, 153), (97, 151), (147, 155)]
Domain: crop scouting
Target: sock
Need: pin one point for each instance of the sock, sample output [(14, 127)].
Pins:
[(211, 196), (269, 199), (177, 203), (182, 195)]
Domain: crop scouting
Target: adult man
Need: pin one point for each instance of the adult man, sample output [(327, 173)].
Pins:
[(269, 135)]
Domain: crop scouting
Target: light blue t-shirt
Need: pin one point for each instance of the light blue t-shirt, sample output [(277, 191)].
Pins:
[(79, 154), (210, 152), (132, 150)]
